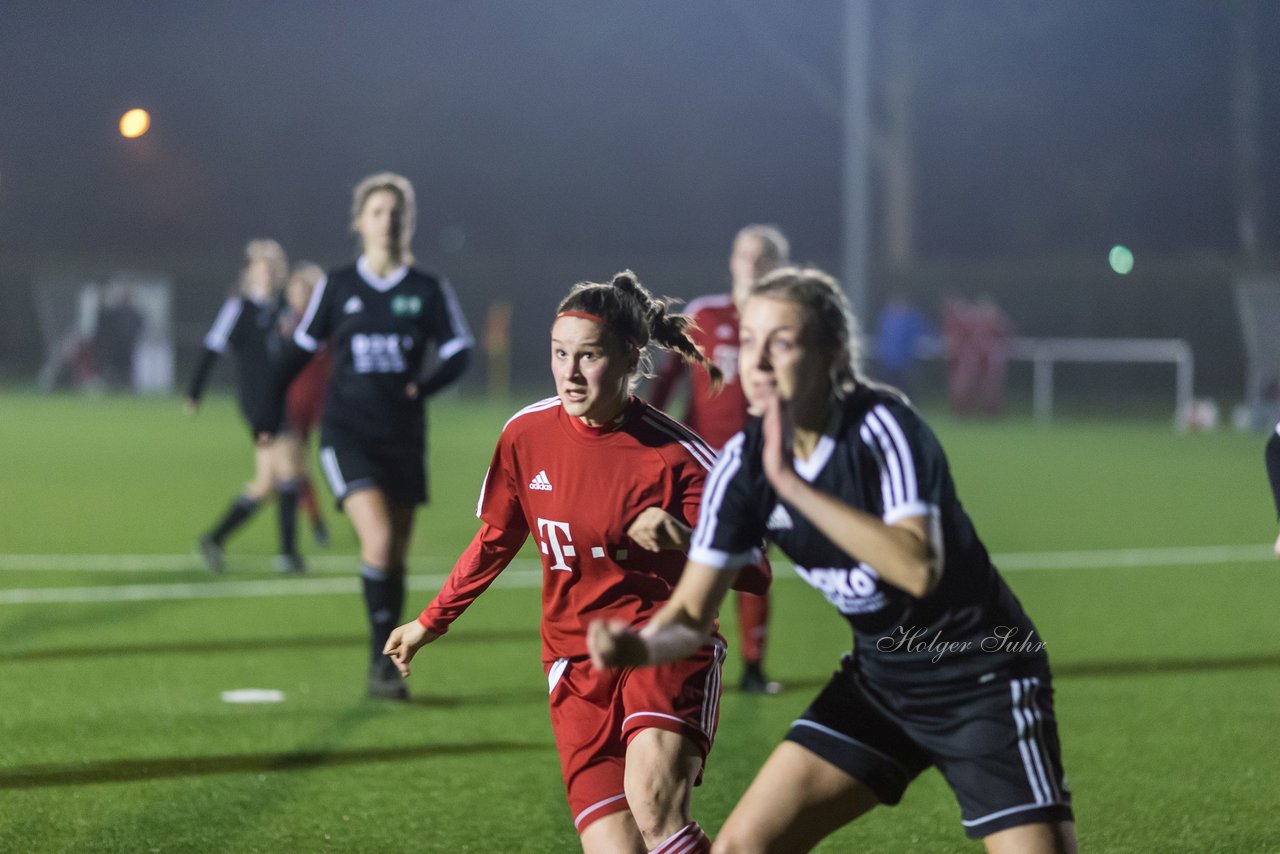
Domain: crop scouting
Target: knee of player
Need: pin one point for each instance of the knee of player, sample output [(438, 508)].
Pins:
[(375, 545), (656, 809), (258, 489), (658, 801)]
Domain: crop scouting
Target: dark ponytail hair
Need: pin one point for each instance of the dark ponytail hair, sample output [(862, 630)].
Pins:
[(637, 318)]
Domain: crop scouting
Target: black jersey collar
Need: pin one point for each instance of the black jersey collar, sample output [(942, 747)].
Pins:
[(375, 281)]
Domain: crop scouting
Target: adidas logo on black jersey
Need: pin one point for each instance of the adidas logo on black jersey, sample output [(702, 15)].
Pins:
[(779, 519), (541, 482)]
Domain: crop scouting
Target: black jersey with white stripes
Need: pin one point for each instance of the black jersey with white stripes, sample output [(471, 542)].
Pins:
[(879, 457), (383, 333), (251, 331), (1272, 454)]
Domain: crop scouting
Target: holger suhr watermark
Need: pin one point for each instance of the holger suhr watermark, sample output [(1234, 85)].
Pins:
[(1001, 639)]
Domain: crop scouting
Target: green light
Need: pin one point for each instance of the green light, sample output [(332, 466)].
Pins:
[(1120, 259)]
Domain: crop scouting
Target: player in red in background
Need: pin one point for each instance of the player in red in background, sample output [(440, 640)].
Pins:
[(610, 487), (304, 402), (716, 415)]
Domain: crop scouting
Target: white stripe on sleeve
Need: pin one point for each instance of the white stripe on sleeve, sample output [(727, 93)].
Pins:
[(302, 335), (220, 332), (461, 339), (713, 493)]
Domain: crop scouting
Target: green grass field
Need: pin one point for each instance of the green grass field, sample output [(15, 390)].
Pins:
[(115, 647)]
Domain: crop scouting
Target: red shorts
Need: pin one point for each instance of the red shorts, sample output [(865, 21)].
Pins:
[(596, 713)]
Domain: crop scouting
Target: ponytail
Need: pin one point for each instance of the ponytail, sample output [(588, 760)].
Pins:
[(634, 316)]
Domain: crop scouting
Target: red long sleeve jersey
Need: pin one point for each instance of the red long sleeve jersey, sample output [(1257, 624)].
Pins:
[(715, 416), (577, 490)]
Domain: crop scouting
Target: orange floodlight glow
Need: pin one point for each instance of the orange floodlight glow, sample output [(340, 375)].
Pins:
[(135, 123)]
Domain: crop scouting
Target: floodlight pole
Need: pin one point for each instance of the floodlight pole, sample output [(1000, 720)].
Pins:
[(855, 155)]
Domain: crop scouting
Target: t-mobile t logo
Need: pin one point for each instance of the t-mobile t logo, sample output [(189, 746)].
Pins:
[(555, 539)]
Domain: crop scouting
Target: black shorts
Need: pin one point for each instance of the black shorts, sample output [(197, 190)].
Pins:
[(399, 471), (995, 742), (283, 427)]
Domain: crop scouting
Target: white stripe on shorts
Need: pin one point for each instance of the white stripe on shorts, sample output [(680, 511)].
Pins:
[(333, 474), (1035, 759), (553, 675), (577, 820)]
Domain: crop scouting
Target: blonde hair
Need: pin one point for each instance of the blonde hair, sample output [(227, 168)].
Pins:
[(637, 318), (775, 248), (820, 295), (403, 190), (308, 271)]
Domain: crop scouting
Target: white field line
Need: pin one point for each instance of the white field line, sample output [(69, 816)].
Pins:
[(228, 589), (157, 563), (523, 573)]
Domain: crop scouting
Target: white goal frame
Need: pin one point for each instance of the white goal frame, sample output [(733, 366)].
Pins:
[(1045, 353)]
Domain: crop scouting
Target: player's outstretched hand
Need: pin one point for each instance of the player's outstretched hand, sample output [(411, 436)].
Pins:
[(412, 391), (404, 643), (614, 644), (655, 530)]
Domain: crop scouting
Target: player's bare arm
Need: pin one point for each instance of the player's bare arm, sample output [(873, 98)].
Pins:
[(657, 530), (901, 553), (675, 632)]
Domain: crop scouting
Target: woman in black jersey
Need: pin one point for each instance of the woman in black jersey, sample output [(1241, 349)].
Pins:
[(946, 671), (248, 325), (397, 336)]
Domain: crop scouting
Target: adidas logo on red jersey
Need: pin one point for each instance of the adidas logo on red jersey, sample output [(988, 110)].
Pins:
[(541, 482)]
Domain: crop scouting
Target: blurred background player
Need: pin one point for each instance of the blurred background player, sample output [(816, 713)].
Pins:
[(716, 415), (397, 336), (610, 486), (1273, 472), (977, 337), (947, 669), (898, 334), (115, 337), (248, 324), (304, 403)]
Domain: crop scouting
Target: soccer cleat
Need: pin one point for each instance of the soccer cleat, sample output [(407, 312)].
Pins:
[(320, 534), (385, 681), (755, 682), (290, 564), (211, 553)]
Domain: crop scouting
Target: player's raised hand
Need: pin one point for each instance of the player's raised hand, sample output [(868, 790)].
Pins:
[(655, 530), (404, 643), (614, 644), (778, 427)]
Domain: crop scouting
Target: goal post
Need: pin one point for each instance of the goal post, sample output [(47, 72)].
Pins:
[(1045, 353)]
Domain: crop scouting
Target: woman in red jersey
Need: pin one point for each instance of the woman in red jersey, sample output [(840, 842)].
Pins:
[(304, 402), (610, 487)]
